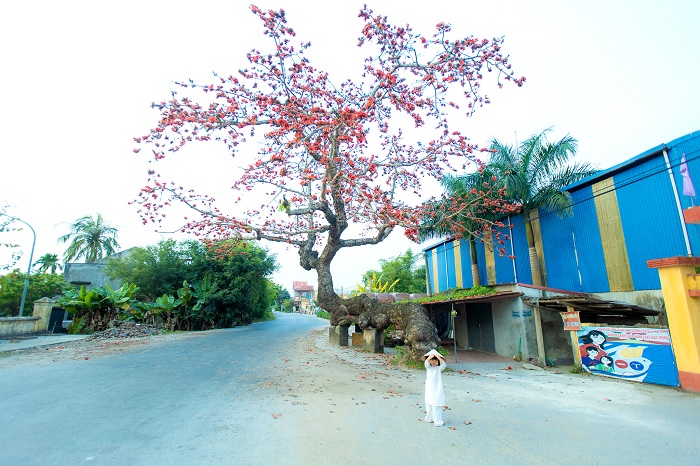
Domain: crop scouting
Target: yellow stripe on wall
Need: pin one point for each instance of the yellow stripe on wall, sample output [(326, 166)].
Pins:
[(611, 235), (490, 259), (539, 245), (458, 262), (436, 282)]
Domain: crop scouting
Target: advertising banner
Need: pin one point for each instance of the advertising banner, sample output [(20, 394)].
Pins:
[(630, 353)]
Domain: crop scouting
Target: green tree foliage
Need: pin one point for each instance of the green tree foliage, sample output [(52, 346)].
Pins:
[(245, 294), (159, 269), (282, 293), (216, 289), (371, 283), (533, 175), (90, 238), (407, 268), (48, 263), (282, 300), (40, 285)]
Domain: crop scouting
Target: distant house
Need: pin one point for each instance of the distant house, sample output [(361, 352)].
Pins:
[(304, 294), (92, 274)]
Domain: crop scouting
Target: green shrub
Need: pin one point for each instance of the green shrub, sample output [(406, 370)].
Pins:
[(408, 362), (323, 314)]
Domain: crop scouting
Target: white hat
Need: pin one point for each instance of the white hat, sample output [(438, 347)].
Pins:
[(433, 352)]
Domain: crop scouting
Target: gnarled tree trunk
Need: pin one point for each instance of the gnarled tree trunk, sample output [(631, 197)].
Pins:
[(420, 335)]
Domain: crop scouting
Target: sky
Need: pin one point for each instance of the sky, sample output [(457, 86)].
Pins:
[(77, 79)]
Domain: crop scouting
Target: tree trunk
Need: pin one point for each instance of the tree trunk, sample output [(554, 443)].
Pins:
[(534, 259), (420, 335), (476, 279)]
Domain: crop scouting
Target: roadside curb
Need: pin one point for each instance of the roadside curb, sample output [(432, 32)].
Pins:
[(37, 342)]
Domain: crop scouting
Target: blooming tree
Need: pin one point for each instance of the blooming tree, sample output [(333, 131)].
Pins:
[(335, 166)]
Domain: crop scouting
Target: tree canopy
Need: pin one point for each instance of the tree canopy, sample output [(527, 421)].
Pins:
[(240, 290), (157, 269), (335, 167), (40, 285)]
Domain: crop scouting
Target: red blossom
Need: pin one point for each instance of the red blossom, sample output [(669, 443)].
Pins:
[(330, 154)]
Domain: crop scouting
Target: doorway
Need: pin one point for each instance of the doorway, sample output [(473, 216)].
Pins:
[(480, 327)]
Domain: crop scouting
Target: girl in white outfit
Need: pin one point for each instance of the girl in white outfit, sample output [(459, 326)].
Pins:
[(434, 392)]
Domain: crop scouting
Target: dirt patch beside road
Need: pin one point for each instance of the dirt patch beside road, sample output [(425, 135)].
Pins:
[(88, 348)]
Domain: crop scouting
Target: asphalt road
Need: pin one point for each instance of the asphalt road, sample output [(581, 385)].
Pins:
[(277, 393), (194, 400)]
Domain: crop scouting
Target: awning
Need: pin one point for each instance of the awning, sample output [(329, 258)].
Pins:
[(588, 305)]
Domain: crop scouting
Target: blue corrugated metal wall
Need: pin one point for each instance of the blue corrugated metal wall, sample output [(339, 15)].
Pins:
[(587, 242), (522, 257), (504, 264), (481, 258), (650, 220), (559, 255), (442, 278), (467, 281), (690, 147), (451, 269)]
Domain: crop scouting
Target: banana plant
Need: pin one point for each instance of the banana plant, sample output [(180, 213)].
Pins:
[(374, 285), (82, 304), (204, 292), (165, 307), (186, 314), (120, 299)]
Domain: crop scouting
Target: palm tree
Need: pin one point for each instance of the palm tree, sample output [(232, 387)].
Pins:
[(534, 174), (91, 238), (48, 262)]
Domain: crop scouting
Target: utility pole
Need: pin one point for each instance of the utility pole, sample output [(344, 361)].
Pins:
[(29, 268)]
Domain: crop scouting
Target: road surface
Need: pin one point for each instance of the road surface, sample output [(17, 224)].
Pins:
[(276, 393)]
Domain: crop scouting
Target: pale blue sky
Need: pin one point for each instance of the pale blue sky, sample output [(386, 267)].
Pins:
[(78, 78)]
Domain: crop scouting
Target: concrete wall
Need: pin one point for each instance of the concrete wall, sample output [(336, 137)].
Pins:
[(557, 342), (678, 280), (42, 310), (38, 322), (513, 324), (17, 325), (92, 274)]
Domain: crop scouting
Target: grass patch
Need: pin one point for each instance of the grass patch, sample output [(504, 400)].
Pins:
[(451, 295), (400, 353)]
